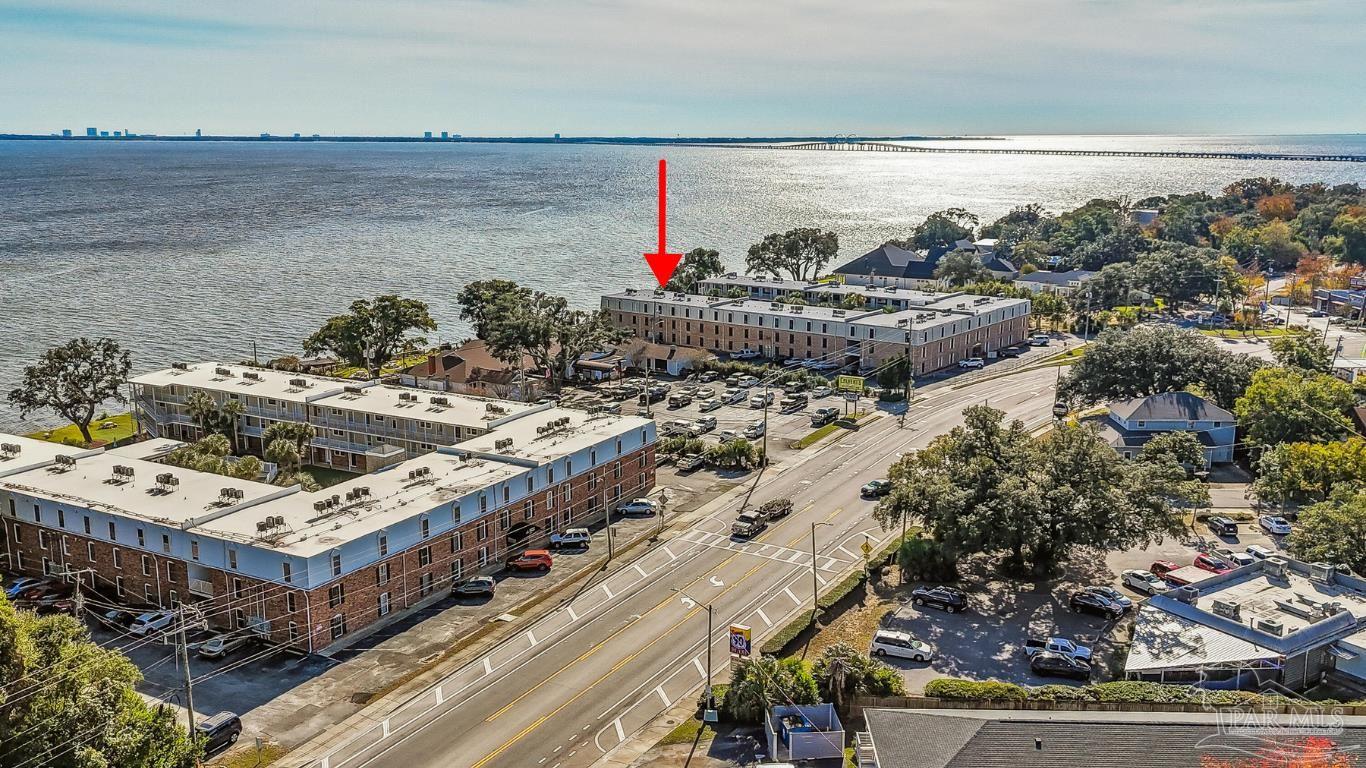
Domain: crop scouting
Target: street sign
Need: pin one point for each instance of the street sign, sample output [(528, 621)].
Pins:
[(849, 383), (851, 397), (740, 643), (867, 547)]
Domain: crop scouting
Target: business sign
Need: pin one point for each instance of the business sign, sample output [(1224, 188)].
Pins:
[(740, 642), (849, 383)]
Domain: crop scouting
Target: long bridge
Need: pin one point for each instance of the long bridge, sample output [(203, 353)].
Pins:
[(882, 146)]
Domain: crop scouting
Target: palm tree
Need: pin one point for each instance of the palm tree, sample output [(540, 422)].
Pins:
[(228, 418), (202, 409)]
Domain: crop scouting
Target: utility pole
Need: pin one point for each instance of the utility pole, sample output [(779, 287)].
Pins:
[(649, 363), (765, 435), (663, 500), (1086, 334), (185, 667), (711, 702), (815, 580)]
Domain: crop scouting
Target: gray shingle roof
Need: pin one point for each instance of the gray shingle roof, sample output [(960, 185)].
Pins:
[(1170, 406), (1055, 278), (893, 261)]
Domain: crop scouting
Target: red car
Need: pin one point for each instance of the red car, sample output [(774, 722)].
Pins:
[(532, 560), (1211, 564), (1161, 568)]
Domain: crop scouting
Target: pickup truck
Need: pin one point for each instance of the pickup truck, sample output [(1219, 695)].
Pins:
[(748, 525), (1058, 645)]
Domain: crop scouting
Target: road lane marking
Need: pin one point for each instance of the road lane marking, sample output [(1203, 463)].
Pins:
[(621, 735), (701, 670), (763, 616), (659, 689), (788, 591), (845, 551), (640, 571), (607, 591)]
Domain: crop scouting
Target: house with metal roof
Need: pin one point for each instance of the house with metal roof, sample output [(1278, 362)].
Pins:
[(1130, 424)]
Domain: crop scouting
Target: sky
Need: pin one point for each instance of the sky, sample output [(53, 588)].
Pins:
[(685, 67)]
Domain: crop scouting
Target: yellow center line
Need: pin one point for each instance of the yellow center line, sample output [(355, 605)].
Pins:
[(628, 659)]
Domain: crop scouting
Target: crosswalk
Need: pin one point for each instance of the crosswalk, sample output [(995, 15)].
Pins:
[(772, 552)]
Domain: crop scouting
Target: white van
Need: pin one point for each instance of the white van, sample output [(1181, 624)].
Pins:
[(888, 642), (148, 623)]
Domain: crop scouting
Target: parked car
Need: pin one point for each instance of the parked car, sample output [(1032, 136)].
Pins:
[(748, 525), (904, 645), (1274, 525), (943, 598), (875, 488), (710, 404), (726, 435), (822, 391), (1058, 645), (1211, 563), (1317, 313), (479, 586), (1010, 352), (1222, 526), (609, 408), (733, 380), (972, 362), (1039, 340), (1113, 595), (707, 377), (219, 646), (822, 416), (1145, 582), (1058, 665), (679, 400), (1161, 568), (732, 396), (20, 584), (792, 403), (688, 389), (678, 428), (827, 365), (705, 392), (652, 396), (1090, 602), (689, 463), (744, 354), (748, 381), (219, 731), (532, 560), (117, 617), (571, 538), (151, 623), (1259, 552), (755, 430), (761, 400), (638, 508), (704, 424)]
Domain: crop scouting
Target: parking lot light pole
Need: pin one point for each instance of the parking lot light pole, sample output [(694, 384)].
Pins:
[(815, 580), (765, 435), (711, 703)]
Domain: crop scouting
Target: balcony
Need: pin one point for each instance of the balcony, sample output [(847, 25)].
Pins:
[(201, 587)]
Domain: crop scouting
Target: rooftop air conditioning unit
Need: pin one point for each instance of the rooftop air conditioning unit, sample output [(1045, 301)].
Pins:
[(630, 291), (1276, 566), (441, 401), (223, 371), (353, 390), (262, 526), (254, 376), (181, 366), (319, 506), (1226, 608), (300, 383), (66, 462), (10, 450), (775, 305), (837, 313), (1322, 573), (278, 520), (1270, 626), (1186, 594)]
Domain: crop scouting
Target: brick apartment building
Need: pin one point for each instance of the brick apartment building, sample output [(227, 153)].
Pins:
[(939, 328), (305, 568)]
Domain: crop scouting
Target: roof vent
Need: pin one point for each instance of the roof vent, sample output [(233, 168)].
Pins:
[(1270, 626), (181, 366), (1187, 594), (837, 312), (1322, 573), (1276, 566)]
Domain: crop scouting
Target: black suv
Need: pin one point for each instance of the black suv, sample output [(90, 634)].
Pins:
[(1057, 665), (219, 731), (1090, 602), (943, 598), (1222, 526)]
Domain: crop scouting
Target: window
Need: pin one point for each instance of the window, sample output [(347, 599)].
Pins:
[(142, 538), (336, 563), (383, 546), (457, 569), (118, 585), (287, 571), (528, 509), (239, 618), (18, 537), (66, 547), (425, 583), (194, 549), (530, 484), (236, 587), (336, 595), (483, 503), (42, 539), (147, 594), (504, 519), (483, 556), (170, 571), (424, 556), (549, 500), (482, 531), (616, 471), (47, 567), (232, 559), (174, 598), (118, 561), (457, 541), (507, 493), (1142, 424), (384, 606), (426, 526), (565, 494), (37, 514), (113, 536), (61, 516), (382, 574), (165, 542), (146, 566), (289, 602), (293, 632)]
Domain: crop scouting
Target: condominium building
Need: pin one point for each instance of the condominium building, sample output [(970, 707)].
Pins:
[(938, 328), (361, 426), (307, 568)]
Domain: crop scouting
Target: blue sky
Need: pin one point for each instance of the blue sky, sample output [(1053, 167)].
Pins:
[(690, 67)]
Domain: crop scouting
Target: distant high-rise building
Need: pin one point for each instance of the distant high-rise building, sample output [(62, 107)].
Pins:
[(444, 135), (91, 132), (296, 136), (557, 137), (426, 134), (118, 134), (197, 133), (66, 133), (104, 133)]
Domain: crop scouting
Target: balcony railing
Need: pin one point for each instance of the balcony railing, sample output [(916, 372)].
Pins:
[(201, 587)]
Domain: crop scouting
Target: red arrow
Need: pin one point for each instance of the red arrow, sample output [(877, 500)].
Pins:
[(663, 263)]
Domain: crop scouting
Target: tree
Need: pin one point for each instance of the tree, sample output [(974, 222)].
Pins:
[(482, 301), (544, 328), (800, 253), (989, 487), (1181, 447), (1333, 531), (697, 265), (73, 380), (299, 433), (1277, 207), (733, 454), (1050, 307), (1150, 360), (203, 409), (73, 704), (1297, 472), (1349, 235), (894, 373), (843, 671), (756, 684), (1286, 405), (1302, 350), (942, 229), (228, 416), (374, 332), (1186, 274), (960, 268)]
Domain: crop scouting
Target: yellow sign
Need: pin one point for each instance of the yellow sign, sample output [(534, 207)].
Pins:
[(740, 643), (867, 547), (849, 383)]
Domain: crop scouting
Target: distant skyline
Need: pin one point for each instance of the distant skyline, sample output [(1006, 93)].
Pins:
[(701, 68)]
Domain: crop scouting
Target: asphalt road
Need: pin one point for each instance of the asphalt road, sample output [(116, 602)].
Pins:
[(583, 678)]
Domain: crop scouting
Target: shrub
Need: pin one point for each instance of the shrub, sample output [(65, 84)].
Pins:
[(953, 688), (925, 560), (1060, 693)]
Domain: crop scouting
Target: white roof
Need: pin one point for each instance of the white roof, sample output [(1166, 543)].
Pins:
[(543, 437), (246, 380), (1163, 640), (448, 408), (1347, 363), (35, 453)]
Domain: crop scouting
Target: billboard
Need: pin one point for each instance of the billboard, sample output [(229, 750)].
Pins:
[(849, 383), (740, 642)]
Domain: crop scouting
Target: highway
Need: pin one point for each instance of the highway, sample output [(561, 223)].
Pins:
[(581, 679)]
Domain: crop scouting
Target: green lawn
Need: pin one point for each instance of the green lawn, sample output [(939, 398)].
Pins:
[(123, 428), (329, 476), (1260, 333), (395, 366)]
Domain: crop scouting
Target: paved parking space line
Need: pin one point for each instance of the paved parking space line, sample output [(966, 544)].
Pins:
[(570, 610), (488, 665), (621, 735), (821, 579), (531, 636)]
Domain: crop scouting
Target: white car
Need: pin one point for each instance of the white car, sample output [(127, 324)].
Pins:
[(643, 507), (571, 538), (732, 396), (1259, 552), (1240, 559), (727, 435), (826, 365), (822, 392), (1276, 526), (151, 622), (710, 404), (1145, 582), (219, 646), (704, 424), (748, 381), (754, 430), (759, 401), (744, 354), (887, 642), (972, 362)]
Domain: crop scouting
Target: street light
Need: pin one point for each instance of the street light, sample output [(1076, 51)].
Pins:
[(815, 580), (711, 704)]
